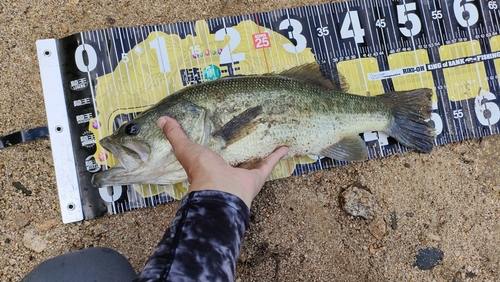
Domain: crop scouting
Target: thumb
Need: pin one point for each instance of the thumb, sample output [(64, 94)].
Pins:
[(172, 130), (180, 143)]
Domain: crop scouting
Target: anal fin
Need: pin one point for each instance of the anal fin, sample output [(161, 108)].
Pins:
[(350, 148)]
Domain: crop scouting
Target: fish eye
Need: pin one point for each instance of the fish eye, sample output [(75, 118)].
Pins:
[(132, 129)]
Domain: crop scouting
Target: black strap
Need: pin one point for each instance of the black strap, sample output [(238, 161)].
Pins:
[(24, 136)]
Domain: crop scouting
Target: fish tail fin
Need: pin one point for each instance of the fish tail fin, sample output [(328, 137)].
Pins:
[(410, 110)]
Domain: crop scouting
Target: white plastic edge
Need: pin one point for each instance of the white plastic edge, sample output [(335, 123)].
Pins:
[(60, 137)]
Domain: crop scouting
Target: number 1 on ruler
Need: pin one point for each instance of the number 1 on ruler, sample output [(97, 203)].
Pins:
[(161, 53)]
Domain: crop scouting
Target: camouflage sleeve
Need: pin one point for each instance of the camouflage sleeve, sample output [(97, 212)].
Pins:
[(203, 242)]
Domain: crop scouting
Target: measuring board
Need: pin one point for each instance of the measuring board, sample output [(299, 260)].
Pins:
[(96, 80)]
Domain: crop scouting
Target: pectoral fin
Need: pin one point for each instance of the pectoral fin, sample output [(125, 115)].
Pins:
[(351, 148), (240, 126)]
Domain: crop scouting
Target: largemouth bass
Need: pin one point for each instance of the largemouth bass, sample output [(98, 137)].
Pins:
[(244, 118)]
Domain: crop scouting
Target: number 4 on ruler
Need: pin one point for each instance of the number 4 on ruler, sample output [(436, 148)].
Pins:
[(356, 32)]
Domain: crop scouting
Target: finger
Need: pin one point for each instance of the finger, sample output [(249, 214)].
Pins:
[(172, 130), (181, 144), (268, 163)]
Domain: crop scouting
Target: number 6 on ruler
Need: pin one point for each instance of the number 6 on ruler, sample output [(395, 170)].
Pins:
[(466, 13), (487, 112)]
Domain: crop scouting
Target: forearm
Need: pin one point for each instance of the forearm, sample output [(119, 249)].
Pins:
[(203, 241)]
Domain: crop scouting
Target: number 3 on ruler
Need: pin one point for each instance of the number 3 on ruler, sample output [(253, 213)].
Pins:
[(295, 34)]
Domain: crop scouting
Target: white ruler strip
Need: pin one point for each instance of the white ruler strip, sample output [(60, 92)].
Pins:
[(59, 131)]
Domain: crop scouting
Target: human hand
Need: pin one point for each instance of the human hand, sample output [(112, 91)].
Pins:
[(207, 170)]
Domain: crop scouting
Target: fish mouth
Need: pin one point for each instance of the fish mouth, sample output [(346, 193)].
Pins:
[(132, 155)]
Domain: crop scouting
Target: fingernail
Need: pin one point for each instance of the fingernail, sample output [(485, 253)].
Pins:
[(161, 122)]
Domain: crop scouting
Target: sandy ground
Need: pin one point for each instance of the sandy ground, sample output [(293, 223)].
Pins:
[(449, 199)]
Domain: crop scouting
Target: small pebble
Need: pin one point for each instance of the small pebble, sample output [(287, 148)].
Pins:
[(457, 278), (47, 225), (470, 274), (377, 228), (34, 242), (21, 187), (433, 237), (486, 190), (428, 258), (358, 202), (21, 220), (110, 20)]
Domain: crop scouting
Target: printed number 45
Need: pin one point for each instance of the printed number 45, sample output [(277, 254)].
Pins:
[(380, 23)]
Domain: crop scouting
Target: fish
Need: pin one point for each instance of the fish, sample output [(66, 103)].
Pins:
[(245, 118)]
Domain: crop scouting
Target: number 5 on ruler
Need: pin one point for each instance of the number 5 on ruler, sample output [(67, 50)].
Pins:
[(410, 20)]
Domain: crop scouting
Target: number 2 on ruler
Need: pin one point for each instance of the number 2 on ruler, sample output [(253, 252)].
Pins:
[(234, 40)]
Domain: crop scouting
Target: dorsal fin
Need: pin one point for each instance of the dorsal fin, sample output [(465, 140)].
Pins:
[(342, 83), (311, 73)]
